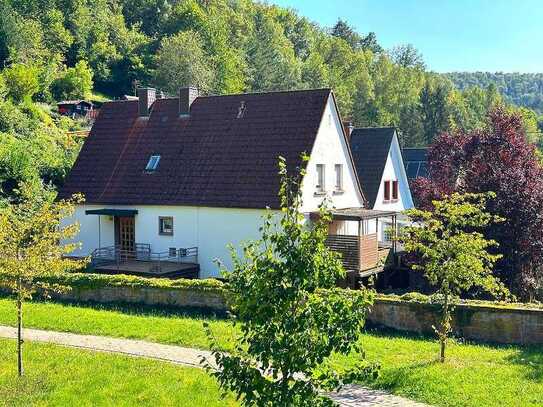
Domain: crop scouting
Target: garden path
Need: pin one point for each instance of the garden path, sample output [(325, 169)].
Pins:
[(350, 396)]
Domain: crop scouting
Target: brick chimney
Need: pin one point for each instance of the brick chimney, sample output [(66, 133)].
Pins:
[(146, 97), (186, 97), (348, 126)]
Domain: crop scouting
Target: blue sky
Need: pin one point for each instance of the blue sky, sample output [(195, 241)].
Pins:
[(453, 35)]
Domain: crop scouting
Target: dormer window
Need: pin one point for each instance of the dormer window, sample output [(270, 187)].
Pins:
[(152, 164)]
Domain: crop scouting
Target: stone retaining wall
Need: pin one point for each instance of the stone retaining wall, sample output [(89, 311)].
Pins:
[(477, 322), (176, 297)]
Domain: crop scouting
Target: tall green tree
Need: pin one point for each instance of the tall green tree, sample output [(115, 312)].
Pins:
[(272, 64), (433, 108), (181, 61), (407, 56), (291, 316)]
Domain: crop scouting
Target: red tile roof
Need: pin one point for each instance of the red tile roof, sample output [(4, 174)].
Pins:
[(211, 159)]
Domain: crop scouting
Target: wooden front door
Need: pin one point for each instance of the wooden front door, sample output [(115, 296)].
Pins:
[(127, 236)]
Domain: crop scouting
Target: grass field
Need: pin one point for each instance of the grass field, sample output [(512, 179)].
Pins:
[(473, 375), (57, 376), (164, 325)]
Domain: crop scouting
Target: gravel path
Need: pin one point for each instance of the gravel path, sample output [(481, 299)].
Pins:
[(350, 396)]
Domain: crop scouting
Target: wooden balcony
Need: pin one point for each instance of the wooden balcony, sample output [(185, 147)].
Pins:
[(141, 261), (358, 253), (361, 252)]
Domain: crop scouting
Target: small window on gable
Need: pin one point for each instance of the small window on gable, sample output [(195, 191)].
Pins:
[(165, 225), (387, 191), (395, 191), (152, 164), (320, 179), (339, 177)]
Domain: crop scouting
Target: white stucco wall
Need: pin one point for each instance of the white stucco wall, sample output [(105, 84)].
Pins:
[(209, 229), (330, 148)]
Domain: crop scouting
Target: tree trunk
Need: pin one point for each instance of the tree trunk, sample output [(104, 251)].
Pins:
[(444, 329), (442, 352), (19, 330)]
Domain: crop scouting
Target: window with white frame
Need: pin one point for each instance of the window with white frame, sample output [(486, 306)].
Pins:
[(339, 177), (165, 225), (152, 164), (321, 187)]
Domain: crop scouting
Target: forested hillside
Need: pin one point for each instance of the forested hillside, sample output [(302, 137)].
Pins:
[(68, 49), (522, 89)]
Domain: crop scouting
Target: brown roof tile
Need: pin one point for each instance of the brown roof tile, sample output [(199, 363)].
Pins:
[(210, 159)]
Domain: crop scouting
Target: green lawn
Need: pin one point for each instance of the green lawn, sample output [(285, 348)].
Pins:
[(57, 376), (152, 324), (474, 375)]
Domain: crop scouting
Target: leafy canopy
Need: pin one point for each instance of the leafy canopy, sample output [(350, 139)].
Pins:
[(497, 158), (291, 315), (452, 252), (32, 241)]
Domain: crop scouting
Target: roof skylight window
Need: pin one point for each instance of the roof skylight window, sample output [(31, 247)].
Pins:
[(153, 163)]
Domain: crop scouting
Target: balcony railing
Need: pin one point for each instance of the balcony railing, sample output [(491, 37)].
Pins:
[(116, 256)]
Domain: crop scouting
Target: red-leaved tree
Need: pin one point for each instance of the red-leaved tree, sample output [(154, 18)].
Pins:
[(497, 158)]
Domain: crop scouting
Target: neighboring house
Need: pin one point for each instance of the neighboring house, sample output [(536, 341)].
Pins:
[(378, 161), (170, 183), (74, 108), (415, 160)]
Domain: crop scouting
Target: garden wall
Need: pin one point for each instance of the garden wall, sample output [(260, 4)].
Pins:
[(102, 288), (175, 297), (479, 321), (473, 320)]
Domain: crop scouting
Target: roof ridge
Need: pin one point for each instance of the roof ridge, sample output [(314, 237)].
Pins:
[(274, 92)]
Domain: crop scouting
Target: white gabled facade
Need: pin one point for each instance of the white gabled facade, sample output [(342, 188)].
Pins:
[(212, 230), (394, 171), (331, 149)]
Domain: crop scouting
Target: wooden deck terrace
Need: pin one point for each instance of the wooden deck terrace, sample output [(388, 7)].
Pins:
[(150, 269)]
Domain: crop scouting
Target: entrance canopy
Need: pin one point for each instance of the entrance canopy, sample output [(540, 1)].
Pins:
[(112, 212)]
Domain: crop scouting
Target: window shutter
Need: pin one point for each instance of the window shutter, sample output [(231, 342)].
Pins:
[(387, 190)]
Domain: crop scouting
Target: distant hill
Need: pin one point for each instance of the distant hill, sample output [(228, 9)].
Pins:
[(522, 89)]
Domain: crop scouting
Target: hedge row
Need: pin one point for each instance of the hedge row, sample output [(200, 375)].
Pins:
[(95, 281), (415, 297)]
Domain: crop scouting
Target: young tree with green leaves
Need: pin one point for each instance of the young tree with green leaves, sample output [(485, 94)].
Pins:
[(452, 252), (31, 249), (291, 314)]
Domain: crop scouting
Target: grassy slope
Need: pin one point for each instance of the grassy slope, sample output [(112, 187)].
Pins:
[(473, 375), (64, 377)]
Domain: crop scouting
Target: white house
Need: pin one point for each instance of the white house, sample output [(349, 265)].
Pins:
[(379, 164), (170, 183)]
